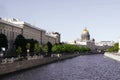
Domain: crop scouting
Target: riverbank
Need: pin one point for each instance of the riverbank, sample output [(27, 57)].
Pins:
[(115, 56), (85, 67), (27, 64)]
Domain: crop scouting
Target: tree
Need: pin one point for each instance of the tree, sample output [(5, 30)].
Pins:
[(19, 51), (67, 48), (49, 48), (3, 41), (115, 48), (58, 48), (41, 49), (20, 41), (28, 46), (45, 49), (36, 47)]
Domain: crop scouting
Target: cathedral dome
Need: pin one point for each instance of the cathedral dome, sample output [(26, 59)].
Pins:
[(85, 36), (85, 31)]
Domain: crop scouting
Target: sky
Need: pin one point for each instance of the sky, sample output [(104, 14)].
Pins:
[(68, 17)]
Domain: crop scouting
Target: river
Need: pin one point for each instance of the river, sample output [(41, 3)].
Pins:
[(86, 67)]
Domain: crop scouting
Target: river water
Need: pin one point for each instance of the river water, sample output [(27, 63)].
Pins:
[(87, 67)]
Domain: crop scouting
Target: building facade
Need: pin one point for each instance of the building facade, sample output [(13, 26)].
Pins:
[(84, 40), (87, 41), (13, 27)]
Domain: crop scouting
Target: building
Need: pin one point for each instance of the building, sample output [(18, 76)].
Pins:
[(85, 36), (84, 40), (13, 27), (105, 43)]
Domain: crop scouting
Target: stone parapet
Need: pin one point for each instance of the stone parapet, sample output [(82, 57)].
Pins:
[(26, 64), (115, 56)]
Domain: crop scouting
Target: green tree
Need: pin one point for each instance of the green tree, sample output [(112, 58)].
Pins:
[(58, 48), (84, 49), (45, 49), (49, 46), (41, 48), (28, 46), (67, 48), (19, 51), (20, 41), (31, 41), (110, 50), (115, 48), (3, 41), (36, 47)]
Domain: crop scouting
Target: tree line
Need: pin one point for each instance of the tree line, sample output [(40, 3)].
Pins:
[(24, 46), (67, 48), (115, 48)]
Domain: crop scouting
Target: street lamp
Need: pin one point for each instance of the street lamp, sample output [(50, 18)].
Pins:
[(3, 49), (28, 52), (1, 53)]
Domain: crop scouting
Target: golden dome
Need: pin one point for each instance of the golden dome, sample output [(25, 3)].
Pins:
[(85, 35), (85, 31)]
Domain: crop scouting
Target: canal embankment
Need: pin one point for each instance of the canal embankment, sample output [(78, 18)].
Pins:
[(15, 66), (86, 67), (115, 56), (27, 64)]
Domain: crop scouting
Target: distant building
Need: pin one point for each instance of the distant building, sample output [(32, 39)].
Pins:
[(87, 41), (85, 36), (13, 27), (105, 43)]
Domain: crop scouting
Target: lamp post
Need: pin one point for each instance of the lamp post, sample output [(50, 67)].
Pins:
[(28, 52), (2, 53), (1, 56), (3, 49)]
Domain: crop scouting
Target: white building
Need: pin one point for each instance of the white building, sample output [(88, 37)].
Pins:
[(105, 43)]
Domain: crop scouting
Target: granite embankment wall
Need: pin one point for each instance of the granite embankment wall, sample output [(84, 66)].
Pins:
[(115, 56), (26, 64)]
